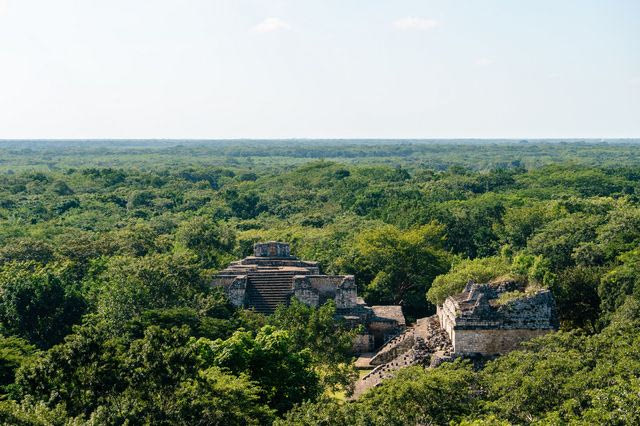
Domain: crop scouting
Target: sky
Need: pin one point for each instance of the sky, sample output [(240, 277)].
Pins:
[(319, 69)]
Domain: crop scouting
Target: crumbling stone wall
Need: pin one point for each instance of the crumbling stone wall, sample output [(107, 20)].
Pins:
[(304, 292), (394, 347), (447, 316), (477, 322), (346, 293), (271, 249), (492, 342), (237, 290), (362, 343), (427, 339), (314, 290)]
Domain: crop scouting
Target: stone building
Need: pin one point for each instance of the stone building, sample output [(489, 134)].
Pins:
[(272, 276), (492, 319), (483, 321)]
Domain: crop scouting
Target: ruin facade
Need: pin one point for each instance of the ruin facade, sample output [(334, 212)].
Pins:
[(484, 321), (493, 319), (272, 277)]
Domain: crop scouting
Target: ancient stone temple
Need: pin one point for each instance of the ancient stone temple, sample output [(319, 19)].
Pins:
[(483, 321), (492, 319), (272, 276)]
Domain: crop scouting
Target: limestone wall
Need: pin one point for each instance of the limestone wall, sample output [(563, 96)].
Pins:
[(314, 290), (491, 342), (223, 280), (234, 285), (447, 316), (304, 292), (393, 348), (237, 290), (346, 293), (325, 284), (475, 324), (363, 343), (271, 249)]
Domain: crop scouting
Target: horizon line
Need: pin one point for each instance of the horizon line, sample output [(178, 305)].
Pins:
[(573, 138)]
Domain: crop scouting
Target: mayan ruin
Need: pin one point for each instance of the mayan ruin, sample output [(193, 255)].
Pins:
[(483, 321), (493, 319), (272, 276)]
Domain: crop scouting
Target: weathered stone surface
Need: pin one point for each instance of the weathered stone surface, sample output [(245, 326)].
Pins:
[(271, 249), (315, 290), (237, 290), (415, 346), (394, 347), (273, 276), (477, 321), (476, 324), (346, 293), (304, 291), (389, 312), (363, 343), (492, 342)]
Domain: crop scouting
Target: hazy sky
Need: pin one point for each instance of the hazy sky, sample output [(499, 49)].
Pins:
[(323, 68)]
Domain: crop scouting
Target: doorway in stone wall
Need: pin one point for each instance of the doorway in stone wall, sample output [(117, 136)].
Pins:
[(378, 339)]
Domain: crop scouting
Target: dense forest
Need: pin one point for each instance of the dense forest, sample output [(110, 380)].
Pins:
[(107, 249)]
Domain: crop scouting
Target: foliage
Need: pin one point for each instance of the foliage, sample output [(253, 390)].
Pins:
[(577, 298), (412, 397), (14, 352), (106, 251), (621, 281), (326, 336), (271, 359), (37, 304), (397, 267), (558, 239), (479, 270), (207, 239), (152, 379), (128, 286)]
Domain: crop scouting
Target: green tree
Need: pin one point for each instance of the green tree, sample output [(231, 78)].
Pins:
[(397, 267), (471, 224), (557, 240), (217, 398), (619, 282), (138, 239), (26, 250), (79, 373), (214, 325), (129, 286), (14, 352), (415, 396), (520, 223), (36, 303), (60, 187), (211, 241), (620, 232), (326, 336), (481, 270), (576, 294), (32, 414), (271, 360)]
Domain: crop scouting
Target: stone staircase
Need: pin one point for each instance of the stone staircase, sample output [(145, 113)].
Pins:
[(400, 343), (268, 289), (416, 346)]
